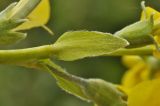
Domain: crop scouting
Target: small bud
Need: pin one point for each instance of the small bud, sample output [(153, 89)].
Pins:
[(103, 93), (138, 34), (12, 17)]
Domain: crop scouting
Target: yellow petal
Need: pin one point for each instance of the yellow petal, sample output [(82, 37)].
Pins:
[(156, 32), (38, 17), (124, 89), (156, 53), (157, 74), (150, 11), (131, 60), (145, 94), (156, 15), (135, 75)]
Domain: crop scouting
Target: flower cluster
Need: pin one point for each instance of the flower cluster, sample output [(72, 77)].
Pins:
[(141, 82)]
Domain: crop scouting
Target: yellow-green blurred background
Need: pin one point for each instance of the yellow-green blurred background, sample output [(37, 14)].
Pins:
[(26, 87)]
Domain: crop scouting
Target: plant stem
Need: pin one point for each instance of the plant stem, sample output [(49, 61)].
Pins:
[(29, 54), (148, 50), (48, 51)]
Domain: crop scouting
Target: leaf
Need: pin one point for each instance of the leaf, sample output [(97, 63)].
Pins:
[(72, 88), (66, 84), (80, 44), (38, 17)]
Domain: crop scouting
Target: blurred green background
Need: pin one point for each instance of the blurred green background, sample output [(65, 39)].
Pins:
[(26, 87)]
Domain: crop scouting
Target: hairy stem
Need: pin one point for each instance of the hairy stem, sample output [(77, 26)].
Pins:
[(148, 50), (29, 54), (48, 51)]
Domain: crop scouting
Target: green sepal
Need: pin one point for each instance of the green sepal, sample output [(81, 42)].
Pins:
[(9, 37), (5, 14), (13, 16), (104, 93), (138, 34), (80, 44), (64, 83), (10, 24), (7, 34)]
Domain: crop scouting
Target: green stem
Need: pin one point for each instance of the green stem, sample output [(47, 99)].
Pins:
[(23, 8), (48, 51), (29, 54), (148, 50)]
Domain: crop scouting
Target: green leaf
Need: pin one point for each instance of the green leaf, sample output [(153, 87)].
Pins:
[(80, 44), (67, 85), (71, 88)]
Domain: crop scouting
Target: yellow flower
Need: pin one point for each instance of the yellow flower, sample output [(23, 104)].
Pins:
[(131, 60), (156, 16), (38, 17), (138, 72), (146, 93), (142, 81), (140, 69), (146, 13)]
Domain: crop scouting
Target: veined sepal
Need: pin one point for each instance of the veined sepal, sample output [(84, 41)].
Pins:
[(138, 34)]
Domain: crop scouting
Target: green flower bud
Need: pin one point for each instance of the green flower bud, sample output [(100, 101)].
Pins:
[(138, 34), (103, 93)]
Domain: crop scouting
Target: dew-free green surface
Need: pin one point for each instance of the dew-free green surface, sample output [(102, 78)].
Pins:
[(80, 44), (25, 87)]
